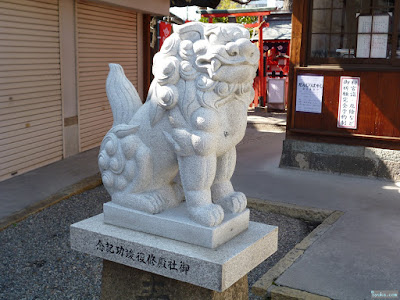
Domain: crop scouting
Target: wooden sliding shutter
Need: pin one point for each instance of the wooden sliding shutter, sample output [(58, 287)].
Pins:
[(30, 88), (106, 34)]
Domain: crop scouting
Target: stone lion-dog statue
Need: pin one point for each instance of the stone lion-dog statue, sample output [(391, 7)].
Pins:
[(180, 144)]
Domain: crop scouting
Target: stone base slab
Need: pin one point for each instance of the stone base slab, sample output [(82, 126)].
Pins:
[(176, 224), (213, 269), (117, 279), (342, 159)]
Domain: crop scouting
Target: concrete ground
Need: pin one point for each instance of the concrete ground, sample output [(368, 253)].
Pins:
[(359, 253), (25, 193)]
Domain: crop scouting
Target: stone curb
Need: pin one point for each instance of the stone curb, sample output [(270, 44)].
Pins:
[(267, 121), (265, 285), (341, 159), (74, 189), (266, 126), (308, 214), (285, 293)]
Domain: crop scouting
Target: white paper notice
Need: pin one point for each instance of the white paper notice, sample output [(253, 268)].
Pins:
[(309, 93), (364, 40), (276, 90), (364, 24), (372, 38), (363, 45), (348, 102), (379, 41), (379, 45), (381, 24)]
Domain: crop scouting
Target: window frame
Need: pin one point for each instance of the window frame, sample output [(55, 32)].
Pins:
[(387, 62)]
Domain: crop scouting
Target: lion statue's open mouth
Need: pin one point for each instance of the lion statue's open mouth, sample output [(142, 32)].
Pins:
[(180, 144)]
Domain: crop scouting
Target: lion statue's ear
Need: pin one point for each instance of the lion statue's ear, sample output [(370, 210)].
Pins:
[(193, 31)]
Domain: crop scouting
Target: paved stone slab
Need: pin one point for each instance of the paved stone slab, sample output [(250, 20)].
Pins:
[(176, 224), (214, 269), (264, 284)]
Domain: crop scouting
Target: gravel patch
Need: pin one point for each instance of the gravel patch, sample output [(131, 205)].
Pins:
[(291, 232), (36, 261)]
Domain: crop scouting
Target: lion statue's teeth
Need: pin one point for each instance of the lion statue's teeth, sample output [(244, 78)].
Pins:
[(215, 64)]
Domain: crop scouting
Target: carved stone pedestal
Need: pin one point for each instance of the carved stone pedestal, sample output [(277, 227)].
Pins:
[(120, 282), (175, 223), (177, 269)]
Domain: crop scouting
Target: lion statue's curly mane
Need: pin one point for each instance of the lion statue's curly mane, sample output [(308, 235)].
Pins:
[(180, 144)]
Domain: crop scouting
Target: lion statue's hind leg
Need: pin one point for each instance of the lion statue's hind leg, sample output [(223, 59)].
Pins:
[(126, 164), (152, 202)]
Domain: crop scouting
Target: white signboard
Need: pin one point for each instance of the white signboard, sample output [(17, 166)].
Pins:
[(276, 90), (348, 102), (309, 92)]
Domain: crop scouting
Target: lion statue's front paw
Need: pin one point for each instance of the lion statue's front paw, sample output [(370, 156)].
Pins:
[(234, 203), (207, 215)]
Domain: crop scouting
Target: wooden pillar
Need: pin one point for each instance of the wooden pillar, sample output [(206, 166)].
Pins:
[(298, 51), (261, 85)]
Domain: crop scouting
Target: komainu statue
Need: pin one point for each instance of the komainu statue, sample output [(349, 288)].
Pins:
[(180, 144)]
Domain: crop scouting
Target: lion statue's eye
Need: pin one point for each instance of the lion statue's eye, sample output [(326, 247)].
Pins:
[(232, 49), (200, 47), (213, 39), (238, 35)]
